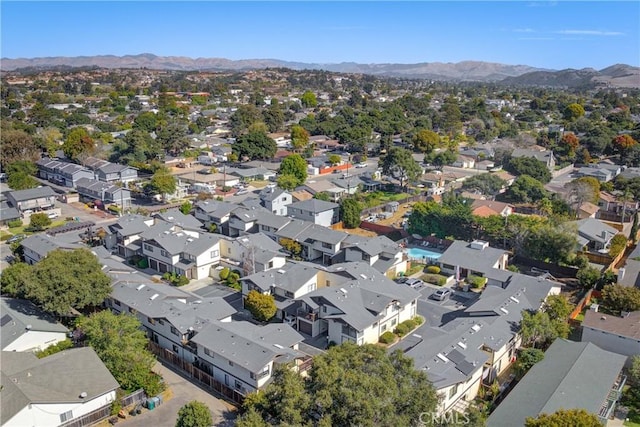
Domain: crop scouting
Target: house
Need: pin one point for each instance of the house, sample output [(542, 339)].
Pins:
[(465, 162), (485, 208), (34, 199), (610, 202), (507, 177), (317, 211), (111, 172), (601, 174), (300, 195), (176, 217), (252, 174), (380, 252), (545, 156), (270, 224), (212, 212), (128, 232), (62, 173), (170, 316), (275, 200), (618, 334), (319, 243), (587, 210), (559, 382), (251, 253), (181, 252), (37, 246), (594, 235), (245, 220), (476, 258), (105, 193), (242, 355), (8, 213), (25, 327), (54, 390), (629, 275)]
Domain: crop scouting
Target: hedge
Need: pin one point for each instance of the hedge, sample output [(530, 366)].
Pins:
[(15, 223), (387, 338), (433, 269)]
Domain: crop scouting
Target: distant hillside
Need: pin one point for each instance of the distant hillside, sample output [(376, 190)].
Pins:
[(619, 75)]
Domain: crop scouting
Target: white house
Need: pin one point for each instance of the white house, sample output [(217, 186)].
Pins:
[(54, 390), (317, 211), (25, 327)]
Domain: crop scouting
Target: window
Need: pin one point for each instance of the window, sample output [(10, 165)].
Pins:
[(116, 302), (66, 416), (214, 254), (151, 320), (311, 287), (230, 363), (175, 348), (327, 245), (288, 294), (164, 253), (148, 248), (270, 264), (228, 250), (174, 331), (132, 310), (393, 322), (238, 385), (453, 391), (208, 352), (161, 321)]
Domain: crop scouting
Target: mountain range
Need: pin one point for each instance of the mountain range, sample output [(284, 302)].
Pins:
[(619, 75)]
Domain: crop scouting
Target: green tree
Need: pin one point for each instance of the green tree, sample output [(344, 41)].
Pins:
[(262, 307), (39, 221), (273, 116), (294, 248), (558, 307), (573, 112), (399, 164), (62, 281), (426, 141), (588, 276), (243, 118), (194, 414), (162, 182), (350, 211), (486, 183), (634, 370), (527, 357), (17, 145), (539, 331), (618, 298), (526, 189), (322, 195), (299, 138), (186, 207), (308, 99), (529, 166), (287, 182), (21, 181), (78, 145), (146, 121), (334, 159), (255, 145), (347, 385), (294, 165), (565, 418), (121, 344), (547, 242), (618, 245)]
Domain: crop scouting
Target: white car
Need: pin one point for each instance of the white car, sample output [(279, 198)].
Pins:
[(361, 165), (52, 215)]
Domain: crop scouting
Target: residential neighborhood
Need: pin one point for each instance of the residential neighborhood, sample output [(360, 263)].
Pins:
[(258, 238)]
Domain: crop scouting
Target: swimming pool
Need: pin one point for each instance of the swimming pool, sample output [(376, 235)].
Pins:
[(419, 253)]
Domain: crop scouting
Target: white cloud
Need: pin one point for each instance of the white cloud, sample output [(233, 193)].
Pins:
[(590, 33), (523, 30), (536, 38)]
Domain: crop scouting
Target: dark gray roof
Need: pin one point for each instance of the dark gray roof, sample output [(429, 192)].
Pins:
[(559, 381), (215, 208), (293, 228), (321, 234), (7, 213), (174, 216), (97, 186), (32, 193), (42, 244), (462, 254), (272, 220), (375, 245), (248, 345), (593, 229), (631, 275), (314, 205), (270, 193), (59, 378), (16, 314), (130, 225), (182, 309), (289, 277)]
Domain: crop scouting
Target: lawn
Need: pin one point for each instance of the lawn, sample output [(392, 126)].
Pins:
[(378, 198), (21, 229)]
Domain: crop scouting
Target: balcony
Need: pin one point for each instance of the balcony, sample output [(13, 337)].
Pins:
[(609, 405), (304, 314)]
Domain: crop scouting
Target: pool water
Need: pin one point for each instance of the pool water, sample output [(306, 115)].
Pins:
[(420, 253)]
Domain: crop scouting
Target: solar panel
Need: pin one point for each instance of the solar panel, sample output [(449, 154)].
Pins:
[(5, 319)]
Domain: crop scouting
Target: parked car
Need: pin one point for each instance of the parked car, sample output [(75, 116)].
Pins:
[(16, 238), (442, 294), (361, 165), (52, 215), (413, 282)]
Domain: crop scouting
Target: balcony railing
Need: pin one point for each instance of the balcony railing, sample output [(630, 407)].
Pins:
[(609, 405), (312, 316)]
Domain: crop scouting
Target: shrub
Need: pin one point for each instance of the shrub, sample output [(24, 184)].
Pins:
[(387, 338), (15, 223), (114, 209), (476, 281), (5, 237), (441, 281), (433, 269), (224, 273), (402, 329), (618, 244), (53, 349), (418, 320), (143, 263)]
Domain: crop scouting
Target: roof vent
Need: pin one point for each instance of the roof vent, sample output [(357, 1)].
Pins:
[(462, 345), (476, 327), (154, 296), (281, 271), (343, 290), (140, 287), (170, 218), (442, 357), (278, 346), (514, 299), (28, 327), (83, 395), (504, 310), (363, 276), (603, 318)]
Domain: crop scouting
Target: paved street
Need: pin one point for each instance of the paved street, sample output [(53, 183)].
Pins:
[(183, 391)]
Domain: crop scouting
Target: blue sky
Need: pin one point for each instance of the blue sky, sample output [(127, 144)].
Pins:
[(557, 35)]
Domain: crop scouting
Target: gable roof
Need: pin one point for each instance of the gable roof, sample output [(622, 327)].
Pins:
[(25, 379), (559, 381), (463, 254), (314, 205), (32, 193), (595, 230), (18, 314), (42, 244), (175, 216), (628, 326)]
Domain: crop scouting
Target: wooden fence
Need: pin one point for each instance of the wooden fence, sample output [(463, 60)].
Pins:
[(105, 412), (193, 372)]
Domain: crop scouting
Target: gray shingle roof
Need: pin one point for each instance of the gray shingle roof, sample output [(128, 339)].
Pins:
[(571, 375), (248, 345), (32, 193), (59, 378), (7, 213), (289, 277), (174, 216), (16, 314), (595, 230), (314, 205), (462, 254), (130, 225), (42, 244)]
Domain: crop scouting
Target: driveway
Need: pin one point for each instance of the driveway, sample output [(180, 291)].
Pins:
[(183, 391)]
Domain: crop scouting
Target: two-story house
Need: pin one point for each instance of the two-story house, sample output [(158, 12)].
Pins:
[(37, 246), (619, 334), (103, 192), (34, 199), (128, 231), (544, 156), (212, 212), (170, 316), (244, 221), (111, 172), (62, 173), (251, 253), (380, 252), (275, 200), (317, 211), (25, 327), (242, 355), (463, 259), (594, 235)]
